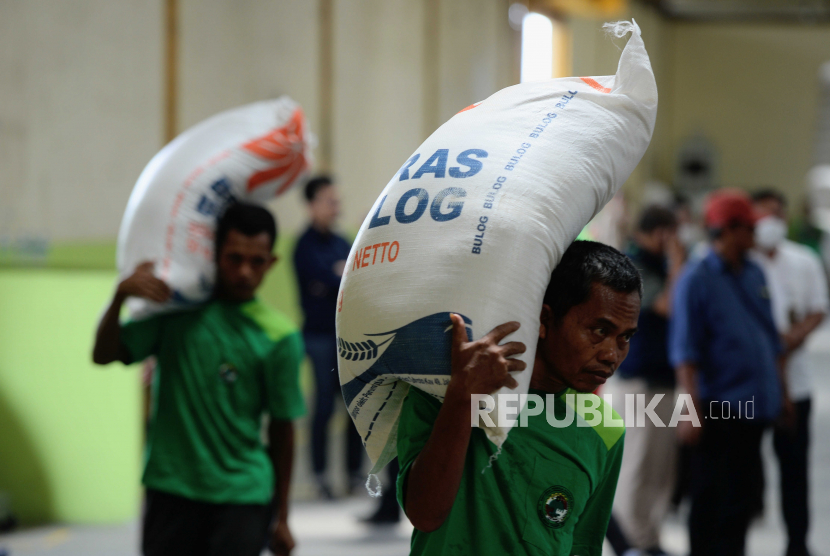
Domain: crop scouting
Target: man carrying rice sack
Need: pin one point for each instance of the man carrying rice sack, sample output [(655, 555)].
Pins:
[(473, 223), (470, 233), (550, 488), (212, 486)]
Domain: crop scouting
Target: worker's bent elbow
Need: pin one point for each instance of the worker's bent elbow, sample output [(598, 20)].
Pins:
[(425, 523), (102, 358)]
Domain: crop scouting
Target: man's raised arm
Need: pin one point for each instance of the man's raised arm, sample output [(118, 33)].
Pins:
[(142, 283), (480, 367)]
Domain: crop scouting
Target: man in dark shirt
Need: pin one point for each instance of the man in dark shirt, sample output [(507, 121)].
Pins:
[(725, 349), (319, 260), (644, 490)]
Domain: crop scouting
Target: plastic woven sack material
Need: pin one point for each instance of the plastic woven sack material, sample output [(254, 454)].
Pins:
[(474, 223), (250, 153)]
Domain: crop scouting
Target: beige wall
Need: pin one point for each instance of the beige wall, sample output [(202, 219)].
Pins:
[(234, 53), (80, 112), (82, 95), (752, 90), (594, 53), (402, 68), (378, 97)]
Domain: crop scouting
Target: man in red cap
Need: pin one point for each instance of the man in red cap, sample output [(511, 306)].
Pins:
[(725, 348)]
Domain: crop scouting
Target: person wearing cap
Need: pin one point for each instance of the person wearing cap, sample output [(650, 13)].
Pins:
[(725, 349), (798, 291)]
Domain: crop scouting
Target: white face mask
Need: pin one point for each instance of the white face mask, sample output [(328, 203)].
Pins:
[(770, 231), (689, 235)]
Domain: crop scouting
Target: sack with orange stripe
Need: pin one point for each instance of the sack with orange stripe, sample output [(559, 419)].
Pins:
[(474, 223), (251, 153)]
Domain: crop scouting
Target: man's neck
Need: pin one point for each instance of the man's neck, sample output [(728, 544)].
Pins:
[(648, 245), (733, 258), (226, 298), (321, 228), (541, 380)]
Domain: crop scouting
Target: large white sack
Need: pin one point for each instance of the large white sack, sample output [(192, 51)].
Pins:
[(474, 223), (251, 153)]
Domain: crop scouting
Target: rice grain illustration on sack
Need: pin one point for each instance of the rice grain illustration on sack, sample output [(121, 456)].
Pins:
[(473, 223)]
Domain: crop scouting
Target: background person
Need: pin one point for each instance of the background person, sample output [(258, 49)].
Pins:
[(798, 291), (211, 483), (550, 490), (319, 260), (725, 348), (648, 467)]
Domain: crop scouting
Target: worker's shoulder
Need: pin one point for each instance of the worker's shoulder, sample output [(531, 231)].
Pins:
[(799, 253), (274, 324), (593, 412)]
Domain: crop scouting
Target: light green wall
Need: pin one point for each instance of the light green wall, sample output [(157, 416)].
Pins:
[(71, 436), (70, 432)]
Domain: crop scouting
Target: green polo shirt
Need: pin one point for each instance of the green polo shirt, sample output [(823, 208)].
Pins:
[(549, 491), (220, 367)]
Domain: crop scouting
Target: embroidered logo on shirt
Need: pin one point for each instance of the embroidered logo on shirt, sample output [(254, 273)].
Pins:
[(555, 506), (228, 373)]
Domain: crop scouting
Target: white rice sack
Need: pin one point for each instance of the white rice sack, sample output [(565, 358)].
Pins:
[(474, 223), (251, 153)]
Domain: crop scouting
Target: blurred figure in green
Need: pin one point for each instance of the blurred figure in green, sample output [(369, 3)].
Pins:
[(212, 485)]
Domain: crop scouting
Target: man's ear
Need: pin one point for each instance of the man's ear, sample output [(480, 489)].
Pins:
[(544, 321), (273, 261)]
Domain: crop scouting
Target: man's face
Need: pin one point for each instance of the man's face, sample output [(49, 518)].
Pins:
[(769, 207), (741, 236), (325, 207), (242, 263), (657, 240), (585, 348)]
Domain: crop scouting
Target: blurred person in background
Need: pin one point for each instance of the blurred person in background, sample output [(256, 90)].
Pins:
[(690, 233), (212, 486), (648, 467), (725, 348), (802, 230), (798, 291), (319, 261)]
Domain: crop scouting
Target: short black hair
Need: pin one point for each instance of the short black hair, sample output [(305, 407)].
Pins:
[(315, 184), (768, 193), (654, 217), (584, 264), (249, 220)]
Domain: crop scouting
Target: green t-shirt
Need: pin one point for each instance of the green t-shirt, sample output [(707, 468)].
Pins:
[(549, 492), (220, 367)]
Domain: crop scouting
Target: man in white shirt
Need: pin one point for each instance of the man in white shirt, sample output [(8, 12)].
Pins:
[(798, 292)]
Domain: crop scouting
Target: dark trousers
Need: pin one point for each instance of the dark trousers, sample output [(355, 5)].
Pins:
[(322, 349), (389, 509), (723, 481), (177, 526), (791, 447)]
